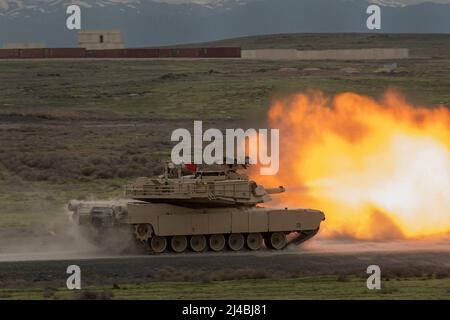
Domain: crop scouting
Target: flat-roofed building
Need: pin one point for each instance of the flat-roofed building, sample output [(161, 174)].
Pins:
[(100, 39)]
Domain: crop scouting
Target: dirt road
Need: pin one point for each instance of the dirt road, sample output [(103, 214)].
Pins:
[(106, 270)]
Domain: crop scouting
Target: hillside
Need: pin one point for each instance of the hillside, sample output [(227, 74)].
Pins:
[(430, 45)]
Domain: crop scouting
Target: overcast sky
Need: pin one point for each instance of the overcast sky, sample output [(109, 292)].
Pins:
[(387, 1), (3, 3), (405, 2)]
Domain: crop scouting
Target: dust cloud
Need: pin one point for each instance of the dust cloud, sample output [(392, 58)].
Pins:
[(60, 238)]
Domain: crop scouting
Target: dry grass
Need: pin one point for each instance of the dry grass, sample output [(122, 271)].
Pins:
[(95, 295), (398, 273), (174, 275)]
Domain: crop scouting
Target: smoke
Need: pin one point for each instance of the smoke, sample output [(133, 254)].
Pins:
[(57, 238), (61, 238)]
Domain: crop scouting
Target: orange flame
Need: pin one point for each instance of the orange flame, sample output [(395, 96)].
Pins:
[(378, 169)]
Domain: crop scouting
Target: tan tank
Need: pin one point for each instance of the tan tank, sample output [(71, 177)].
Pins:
[(205, 208)]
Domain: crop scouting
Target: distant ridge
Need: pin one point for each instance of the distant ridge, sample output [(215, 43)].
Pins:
[(436, 45)]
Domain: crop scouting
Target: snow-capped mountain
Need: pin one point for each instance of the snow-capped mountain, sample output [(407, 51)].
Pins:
[(167, 22), (13, 7)]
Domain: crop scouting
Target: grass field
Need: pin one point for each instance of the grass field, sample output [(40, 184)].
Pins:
[(82, 129), (322, 287)]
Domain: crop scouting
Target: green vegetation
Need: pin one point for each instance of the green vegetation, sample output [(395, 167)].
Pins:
[(81, 129), (187, 89), (321, 287)]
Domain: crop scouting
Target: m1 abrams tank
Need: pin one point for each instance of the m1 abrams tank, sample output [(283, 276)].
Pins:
[(213, 207)]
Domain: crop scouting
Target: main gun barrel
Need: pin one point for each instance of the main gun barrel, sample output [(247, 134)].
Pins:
[(280, 189)]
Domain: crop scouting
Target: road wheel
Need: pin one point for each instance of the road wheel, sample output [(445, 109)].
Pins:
[(236, 241), (254, 241), (158, 244), (143, 232), (198, 243), (178, 243), (277, 240), (217, 242)]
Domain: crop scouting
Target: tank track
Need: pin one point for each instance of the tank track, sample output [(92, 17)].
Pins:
[(184, 244), (302, 237)]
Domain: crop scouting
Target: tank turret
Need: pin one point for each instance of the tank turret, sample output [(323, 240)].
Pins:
[(206, 186)]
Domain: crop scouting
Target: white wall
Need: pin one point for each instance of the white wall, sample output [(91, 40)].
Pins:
[(344, 54)]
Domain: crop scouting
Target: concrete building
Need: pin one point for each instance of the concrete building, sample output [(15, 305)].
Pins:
[(25, 45), (100, 39), (342, 54)]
